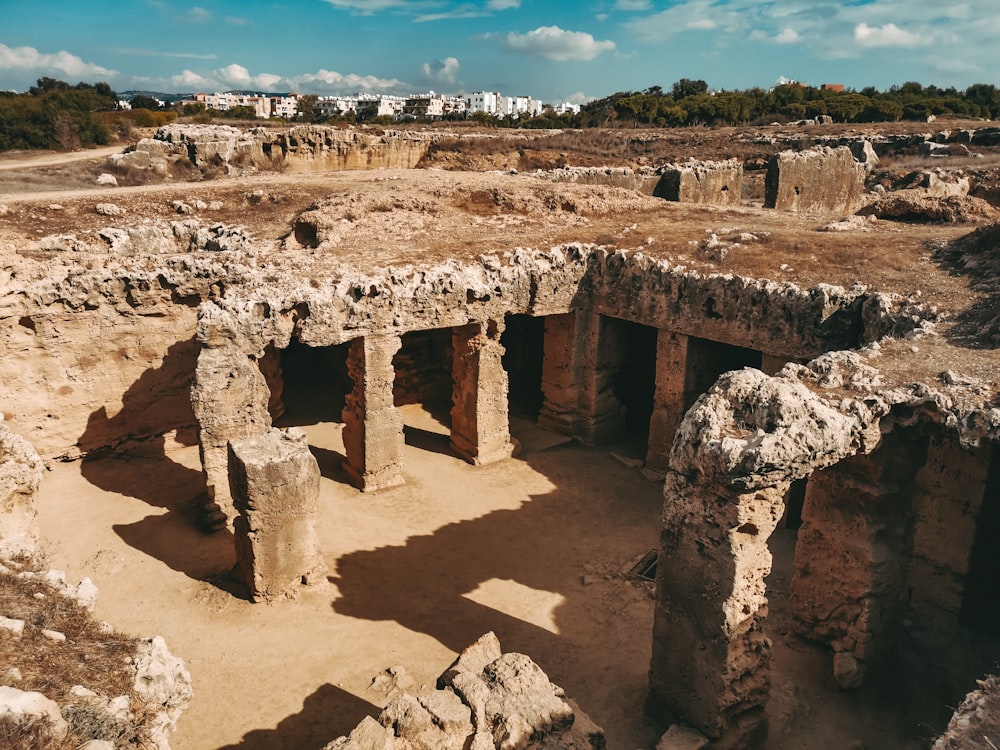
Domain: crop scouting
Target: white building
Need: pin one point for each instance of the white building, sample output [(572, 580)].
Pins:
[(484, 101)]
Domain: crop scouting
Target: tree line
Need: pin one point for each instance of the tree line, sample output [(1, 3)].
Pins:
[(690, 102)]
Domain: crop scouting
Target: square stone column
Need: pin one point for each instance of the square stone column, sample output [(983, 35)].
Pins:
[(274, 481), (668, 399), (480, 426), (373, 427), (852, 553), (710, 665), (584, 352)]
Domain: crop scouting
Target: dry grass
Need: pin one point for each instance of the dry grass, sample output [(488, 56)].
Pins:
[(90, 656)]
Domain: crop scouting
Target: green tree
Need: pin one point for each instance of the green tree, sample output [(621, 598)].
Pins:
[(686, 87), (144, 102)]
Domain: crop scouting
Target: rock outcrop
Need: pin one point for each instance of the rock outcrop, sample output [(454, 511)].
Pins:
[(976, 723), (735, 454), (486, 700), (822, 180), (717, 183), (20, 474)]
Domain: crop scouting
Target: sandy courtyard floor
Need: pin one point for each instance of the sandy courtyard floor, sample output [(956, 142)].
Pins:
[(532, 548)]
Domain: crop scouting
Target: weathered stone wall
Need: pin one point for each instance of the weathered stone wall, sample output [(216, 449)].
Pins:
[(99, 359), (823, 180), (949, 494), (717, 183)]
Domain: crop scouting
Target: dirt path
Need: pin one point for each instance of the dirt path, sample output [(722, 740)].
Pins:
[(48, 159)]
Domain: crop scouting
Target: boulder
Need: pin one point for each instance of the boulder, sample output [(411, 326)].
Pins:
[(161, 681)]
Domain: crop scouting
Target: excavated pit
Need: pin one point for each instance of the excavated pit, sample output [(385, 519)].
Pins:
[(797, 405)]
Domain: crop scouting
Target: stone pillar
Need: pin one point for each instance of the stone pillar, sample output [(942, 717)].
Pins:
[(584, 352), (949, 495), (373, 427), (480, 425), (850, 560), (711, 660), (668, 399), (274, 481), (230, 399)]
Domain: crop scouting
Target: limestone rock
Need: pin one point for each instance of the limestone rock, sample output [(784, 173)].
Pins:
[(274, 481), (714, 182), (20, 476), (848, 671), (107, 179), (486, 700), (680, 737), (109, 209), (32, 705), (822, 180), (976, 723), (163, 682)]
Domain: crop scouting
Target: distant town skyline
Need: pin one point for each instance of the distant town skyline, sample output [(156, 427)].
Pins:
[(554, 51)]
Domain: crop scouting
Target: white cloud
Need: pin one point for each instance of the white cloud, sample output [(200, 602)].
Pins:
[(578, 98), (787, 36), (503, 4), (237, 21), (634, 5), (889, 35), (197, 15), (553, 43), (154, 53), (188, 80), (331, 82), (442, 71), (29, 58), (367, 7)]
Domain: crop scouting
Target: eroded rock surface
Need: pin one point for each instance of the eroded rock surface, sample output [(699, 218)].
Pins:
[(486, 700), (20, 474), (821, 180)]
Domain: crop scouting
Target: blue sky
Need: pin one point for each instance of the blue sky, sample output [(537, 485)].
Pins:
[(553, 51)]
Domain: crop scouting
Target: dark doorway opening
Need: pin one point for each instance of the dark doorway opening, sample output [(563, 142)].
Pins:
[(635, 383), (523, 340), (980, 602), (707, 360), (312, 383), (794, 500), (423, 378), (423, 369)]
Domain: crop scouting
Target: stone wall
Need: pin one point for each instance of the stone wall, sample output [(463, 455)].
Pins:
[(822, 181), (99, 359)]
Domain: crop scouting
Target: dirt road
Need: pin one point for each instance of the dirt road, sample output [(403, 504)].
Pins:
[(28, 160)]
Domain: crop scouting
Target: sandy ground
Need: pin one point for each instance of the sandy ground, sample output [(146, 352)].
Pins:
[(534, 548)]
